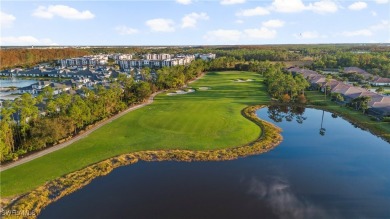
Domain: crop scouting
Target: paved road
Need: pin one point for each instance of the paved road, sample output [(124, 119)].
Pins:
[(78, 137)]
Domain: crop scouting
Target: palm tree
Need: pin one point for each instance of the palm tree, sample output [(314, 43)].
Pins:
[(327, 79), (322, 130)]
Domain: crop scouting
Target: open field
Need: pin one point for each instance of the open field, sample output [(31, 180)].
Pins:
[(379, 128), (202, 120)]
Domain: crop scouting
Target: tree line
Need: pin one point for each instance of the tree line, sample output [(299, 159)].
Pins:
[(376, 63), (33, 123), (10, 58), (284, 86)]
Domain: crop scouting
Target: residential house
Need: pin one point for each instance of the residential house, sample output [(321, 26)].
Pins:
[(379, 105), (378, 81)]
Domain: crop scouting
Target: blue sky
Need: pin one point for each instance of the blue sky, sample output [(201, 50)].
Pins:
[(193, 22)]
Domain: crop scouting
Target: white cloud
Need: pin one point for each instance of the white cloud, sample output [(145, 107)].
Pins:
[(62, 11), (288, 6), (373, 13), (231, 2), (273, 23), (362, 32), (184, 2), (381, 1), (356, 6), (308, 35), (124, 30), (239, 21), (258, 11), (25, 40), (370, 31), (6, 20), (223, 36), (161, 25), (294, 6), (323, 6), (262, 33), (383, 25), (190, 20)]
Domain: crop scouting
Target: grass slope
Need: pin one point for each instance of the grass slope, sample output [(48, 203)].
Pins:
[(202, 120)]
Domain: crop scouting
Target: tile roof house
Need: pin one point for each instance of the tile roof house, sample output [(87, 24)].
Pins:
[(354, 70), (378, 105), (378, 81)]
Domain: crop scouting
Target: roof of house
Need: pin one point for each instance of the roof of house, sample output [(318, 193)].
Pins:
[(381, 80), (354, 90), (318, 79), (57, 85), (43, 83), (341, 88), (26, 88), (31, 71), (354, 69)]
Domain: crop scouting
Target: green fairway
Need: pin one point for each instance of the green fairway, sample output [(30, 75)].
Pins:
[(203, 120)]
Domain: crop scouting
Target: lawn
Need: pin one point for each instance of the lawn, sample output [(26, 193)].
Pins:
[(377, 127), (203, 120)]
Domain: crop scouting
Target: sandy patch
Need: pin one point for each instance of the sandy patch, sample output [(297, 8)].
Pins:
[(204, 88), (179, 92), (241, 81)]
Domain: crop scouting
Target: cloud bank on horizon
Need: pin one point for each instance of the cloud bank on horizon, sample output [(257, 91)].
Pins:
[(194, 22)]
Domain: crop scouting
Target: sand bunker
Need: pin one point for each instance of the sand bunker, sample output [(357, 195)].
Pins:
[(204, 88), (178, 92), (241, 81)]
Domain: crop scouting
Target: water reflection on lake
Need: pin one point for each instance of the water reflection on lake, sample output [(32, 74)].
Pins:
[(16, 82), (344, 173)]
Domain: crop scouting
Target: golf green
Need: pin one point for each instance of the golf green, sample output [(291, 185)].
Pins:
[(209, 118)]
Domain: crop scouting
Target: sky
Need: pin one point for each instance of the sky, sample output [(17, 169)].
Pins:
[(193, 22)]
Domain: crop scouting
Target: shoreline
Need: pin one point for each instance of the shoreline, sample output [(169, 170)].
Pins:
[(39, 198), (347, 117), (353, 121)]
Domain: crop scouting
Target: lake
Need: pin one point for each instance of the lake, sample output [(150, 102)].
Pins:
[(324, 168), (10, 95), (16, 83)]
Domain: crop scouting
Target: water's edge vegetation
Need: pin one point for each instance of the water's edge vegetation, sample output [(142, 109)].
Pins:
[(52, 191)]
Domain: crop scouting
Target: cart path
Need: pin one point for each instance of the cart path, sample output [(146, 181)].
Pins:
[(84, 134), (78, 137)]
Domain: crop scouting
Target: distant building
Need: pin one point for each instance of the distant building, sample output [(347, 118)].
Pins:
[(207, 57)]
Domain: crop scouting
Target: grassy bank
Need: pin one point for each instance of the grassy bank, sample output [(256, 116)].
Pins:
[(381, 129), (203, 120), (36, 200)]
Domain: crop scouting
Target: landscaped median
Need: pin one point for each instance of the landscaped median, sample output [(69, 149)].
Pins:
[(34, 201)]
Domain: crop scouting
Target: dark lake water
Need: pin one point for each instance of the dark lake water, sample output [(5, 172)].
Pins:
[(344, 172)]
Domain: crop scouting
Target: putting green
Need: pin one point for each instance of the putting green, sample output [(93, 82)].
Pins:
[(201, 120)]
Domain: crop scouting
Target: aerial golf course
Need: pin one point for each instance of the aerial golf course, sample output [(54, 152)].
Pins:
[(209, 118)]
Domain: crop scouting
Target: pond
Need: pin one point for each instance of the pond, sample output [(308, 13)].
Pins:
[(16, 82), (324, 168)]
